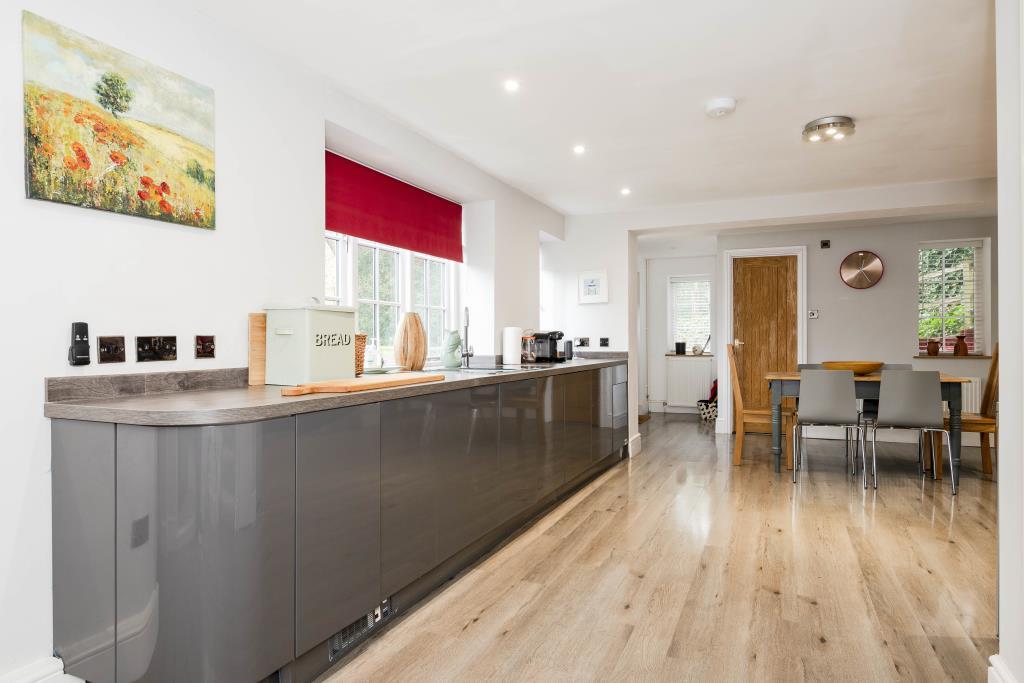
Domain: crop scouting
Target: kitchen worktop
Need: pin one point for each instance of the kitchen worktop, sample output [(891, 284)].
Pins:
[(211, 406)]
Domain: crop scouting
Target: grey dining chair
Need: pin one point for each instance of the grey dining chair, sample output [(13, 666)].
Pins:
[(827, 398), (910, 399), (869, 409)]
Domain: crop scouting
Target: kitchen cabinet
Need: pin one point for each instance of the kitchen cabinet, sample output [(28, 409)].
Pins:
[(610, 418), (205, 527), (337, 520), (84, 604), (531, 423), (468, 474), (578, 429), (228, 551), (440, 479)]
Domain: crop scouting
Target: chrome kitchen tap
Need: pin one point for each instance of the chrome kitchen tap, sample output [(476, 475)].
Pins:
[(467, 350)]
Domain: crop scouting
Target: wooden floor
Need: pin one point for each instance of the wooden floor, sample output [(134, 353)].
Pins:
[(676, 565)]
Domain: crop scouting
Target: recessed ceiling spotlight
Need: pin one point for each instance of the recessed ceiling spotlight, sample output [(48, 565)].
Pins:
[(511, 85), (625, 192), (829, 128), (717, 107), (579, 149)]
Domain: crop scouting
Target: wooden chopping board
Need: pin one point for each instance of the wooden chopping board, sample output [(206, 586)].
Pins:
[(365, 383)]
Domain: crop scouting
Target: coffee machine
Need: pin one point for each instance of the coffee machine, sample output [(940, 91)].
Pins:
[(547, 346)]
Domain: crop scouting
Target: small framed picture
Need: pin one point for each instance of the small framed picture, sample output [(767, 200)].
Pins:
[(592, 287)]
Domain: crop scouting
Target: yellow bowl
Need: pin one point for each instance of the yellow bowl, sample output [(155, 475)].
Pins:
[(859, 367)]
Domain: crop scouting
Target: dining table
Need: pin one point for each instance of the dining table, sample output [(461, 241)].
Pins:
[(787, 384)]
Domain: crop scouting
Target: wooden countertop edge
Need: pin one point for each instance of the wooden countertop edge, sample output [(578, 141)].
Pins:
[(197, 408), (794, 376)]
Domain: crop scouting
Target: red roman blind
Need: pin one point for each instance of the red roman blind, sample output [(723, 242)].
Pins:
[(365, 203)]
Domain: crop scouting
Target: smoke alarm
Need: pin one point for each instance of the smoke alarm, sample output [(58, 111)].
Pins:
[(718, 107)]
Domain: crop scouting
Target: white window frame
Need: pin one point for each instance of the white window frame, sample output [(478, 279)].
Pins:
[(341, 268), (982, 280), (348, 292), (705, 277)]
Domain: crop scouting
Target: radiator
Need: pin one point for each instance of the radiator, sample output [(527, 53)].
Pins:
[(689, 380), (971, 396)]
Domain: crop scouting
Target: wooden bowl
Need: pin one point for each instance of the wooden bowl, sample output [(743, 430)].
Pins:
[(859, 367)]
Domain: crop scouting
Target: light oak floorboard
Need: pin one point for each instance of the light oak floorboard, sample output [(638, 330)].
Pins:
[(678, 566)]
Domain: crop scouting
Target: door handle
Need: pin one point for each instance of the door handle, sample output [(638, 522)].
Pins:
[(737, 342)]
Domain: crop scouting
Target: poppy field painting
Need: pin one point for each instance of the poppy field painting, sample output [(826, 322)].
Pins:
[(106, 130)]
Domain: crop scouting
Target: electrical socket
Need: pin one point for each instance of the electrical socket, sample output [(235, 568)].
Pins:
[(155, 348), (111, 350)]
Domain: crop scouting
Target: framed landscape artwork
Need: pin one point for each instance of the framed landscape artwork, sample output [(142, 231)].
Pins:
[(106, 130)]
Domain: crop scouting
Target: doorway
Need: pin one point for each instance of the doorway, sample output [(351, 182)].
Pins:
[(764, 313)]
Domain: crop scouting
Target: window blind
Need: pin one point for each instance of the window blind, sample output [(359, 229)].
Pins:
[(689, 310), (368, 204)]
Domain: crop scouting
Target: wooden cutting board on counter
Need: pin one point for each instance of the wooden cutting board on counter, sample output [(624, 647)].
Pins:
[(365, 383)]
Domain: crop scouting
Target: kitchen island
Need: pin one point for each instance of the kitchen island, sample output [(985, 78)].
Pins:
[(231, 533)]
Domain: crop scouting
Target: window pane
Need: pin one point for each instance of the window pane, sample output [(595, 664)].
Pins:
[(364, 322), (387, 276), (419, 295), (364, 272), (331, 268), (929, 328), (436, 283), (388, 326), (691, 311), (435, 328)]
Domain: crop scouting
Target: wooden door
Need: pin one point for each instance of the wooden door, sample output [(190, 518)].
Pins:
[(764, 311)]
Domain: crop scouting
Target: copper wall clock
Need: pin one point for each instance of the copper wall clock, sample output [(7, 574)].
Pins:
[(861, 269)]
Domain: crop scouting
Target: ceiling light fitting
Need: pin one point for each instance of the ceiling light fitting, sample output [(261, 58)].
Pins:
[(829, 128), (579, 149), (625, 192), (718, 107), (511, 85)]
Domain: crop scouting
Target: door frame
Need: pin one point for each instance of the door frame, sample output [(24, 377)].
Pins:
[(724, 423)]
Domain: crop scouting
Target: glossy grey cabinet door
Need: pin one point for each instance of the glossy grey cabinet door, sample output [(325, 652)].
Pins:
[(82, 471), (610, 417), (412, 430), (578, 421), (468, 474), (205, 564), (337, 521), (531, 420)]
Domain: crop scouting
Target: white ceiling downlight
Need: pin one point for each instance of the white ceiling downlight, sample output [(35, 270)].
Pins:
[(829, 128), (579, 150), (511, 85), (717, 107), (625, 192)]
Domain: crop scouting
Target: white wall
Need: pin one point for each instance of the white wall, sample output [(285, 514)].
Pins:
[(585, 249), (129, 276), (1008, 665), (654, 387)]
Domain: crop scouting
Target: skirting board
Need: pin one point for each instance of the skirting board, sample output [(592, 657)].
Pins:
[(43, 670), (635, 445), (999, 672)]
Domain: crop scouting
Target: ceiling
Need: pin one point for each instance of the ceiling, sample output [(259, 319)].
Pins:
[(629, 78)]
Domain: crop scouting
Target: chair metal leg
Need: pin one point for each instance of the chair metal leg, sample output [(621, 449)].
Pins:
[(949, 448), (874, 458), (920, 453), (796, 450)]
